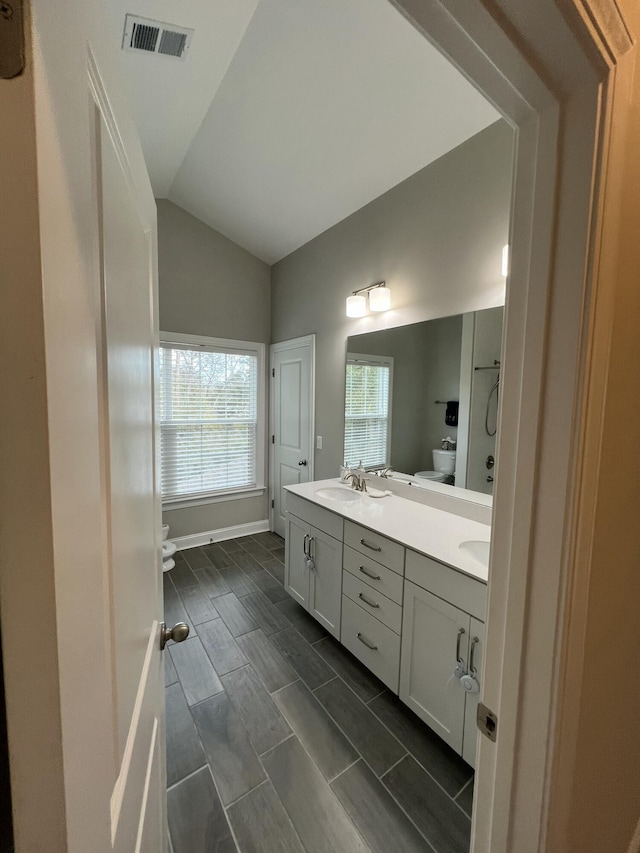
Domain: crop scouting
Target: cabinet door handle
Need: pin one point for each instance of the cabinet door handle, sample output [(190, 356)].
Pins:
[(367, 545), (305, 544), (367, 601), (461, 631), (369, 574), (311, 539), (474, 643), (366, 642)]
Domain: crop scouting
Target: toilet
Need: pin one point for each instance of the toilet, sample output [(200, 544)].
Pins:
[(444, 463), (168, 550)]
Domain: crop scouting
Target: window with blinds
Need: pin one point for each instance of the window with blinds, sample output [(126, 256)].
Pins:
[(367, 410), (209, 410)]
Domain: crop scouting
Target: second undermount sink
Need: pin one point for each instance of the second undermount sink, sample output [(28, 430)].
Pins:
[(477, 550), (336, 493)]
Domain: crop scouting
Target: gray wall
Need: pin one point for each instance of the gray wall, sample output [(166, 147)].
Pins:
[(442, 382), (436, 239), (210, 286)]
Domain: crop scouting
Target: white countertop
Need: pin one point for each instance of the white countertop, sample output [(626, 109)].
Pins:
[(430, 531)]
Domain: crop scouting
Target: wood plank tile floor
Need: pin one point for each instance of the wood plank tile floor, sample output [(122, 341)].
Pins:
[(278, 739)]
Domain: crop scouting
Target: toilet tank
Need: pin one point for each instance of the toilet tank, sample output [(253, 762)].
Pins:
[(444, 461)]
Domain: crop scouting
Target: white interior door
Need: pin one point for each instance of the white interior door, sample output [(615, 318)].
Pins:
[(132, 567), (97, 784), (292, 419), (83, 668)]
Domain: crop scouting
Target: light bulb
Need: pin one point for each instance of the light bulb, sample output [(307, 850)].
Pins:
[(380, 299), (505, 261), (356, 305)]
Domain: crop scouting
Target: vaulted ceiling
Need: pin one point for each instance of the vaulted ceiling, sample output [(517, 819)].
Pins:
[(286, 116)]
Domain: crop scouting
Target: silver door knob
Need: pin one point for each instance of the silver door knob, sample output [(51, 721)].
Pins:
[(178, 633), (302, 462)]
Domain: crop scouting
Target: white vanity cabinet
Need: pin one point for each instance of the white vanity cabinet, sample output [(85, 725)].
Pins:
[(405, 616), (312, 532), (435, 634), (296, 574), (372, 601), (470, 736)]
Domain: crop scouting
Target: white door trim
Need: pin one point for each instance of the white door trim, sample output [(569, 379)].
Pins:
[(282, 346), (551, 91)]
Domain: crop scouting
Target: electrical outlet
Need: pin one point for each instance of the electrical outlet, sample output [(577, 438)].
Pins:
[(318, 442)]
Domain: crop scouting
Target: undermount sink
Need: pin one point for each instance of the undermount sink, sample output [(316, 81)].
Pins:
[(477, 550), (335, 493)]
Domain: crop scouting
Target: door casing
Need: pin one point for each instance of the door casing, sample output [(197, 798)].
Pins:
[(557, 92)]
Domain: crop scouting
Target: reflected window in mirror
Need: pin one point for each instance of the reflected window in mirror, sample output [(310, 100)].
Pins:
[(438, 366), (367, 432)]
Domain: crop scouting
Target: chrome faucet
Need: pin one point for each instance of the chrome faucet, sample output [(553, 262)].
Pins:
[(358, 481), (385, 473)]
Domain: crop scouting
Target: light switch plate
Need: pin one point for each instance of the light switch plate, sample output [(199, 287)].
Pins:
[(318, 442)]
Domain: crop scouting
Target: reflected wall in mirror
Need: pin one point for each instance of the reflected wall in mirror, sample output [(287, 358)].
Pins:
[(410, 388)]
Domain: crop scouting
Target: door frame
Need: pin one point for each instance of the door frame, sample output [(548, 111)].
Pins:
[(282, 346), (556, 92)]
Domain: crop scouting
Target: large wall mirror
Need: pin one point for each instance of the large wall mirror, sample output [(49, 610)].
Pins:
[(431, 386)]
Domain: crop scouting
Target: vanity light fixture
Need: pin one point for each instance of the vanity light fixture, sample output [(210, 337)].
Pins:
[(505, 261), (356, 305), (379, 299)]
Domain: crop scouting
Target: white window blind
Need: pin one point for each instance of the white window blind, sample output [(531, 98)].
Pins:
[(209, 420), (366, 433)]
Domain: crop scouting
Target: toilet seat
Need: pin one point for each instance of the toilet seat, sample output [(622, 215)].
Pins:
[(168, 550), (434, 476)]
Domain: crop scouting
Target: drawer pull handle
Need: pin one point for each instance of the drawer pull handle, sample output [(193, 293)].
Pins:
[(366, 642), (366, 600), (369, 574), (367, 545)]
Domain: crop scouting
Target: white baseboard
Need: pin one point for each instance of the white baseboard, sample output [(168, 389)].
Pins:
[(220, 535)]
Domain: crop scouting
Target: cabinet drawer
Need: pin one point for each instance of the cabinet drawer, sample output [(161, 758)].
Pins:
[(465, 592), (378, 547), (373, 602), (375, 574), (360, 631), (315, 515)]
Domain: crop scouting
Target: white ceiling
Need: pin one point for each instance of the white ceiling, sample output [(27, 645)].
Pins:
[(289, 115)]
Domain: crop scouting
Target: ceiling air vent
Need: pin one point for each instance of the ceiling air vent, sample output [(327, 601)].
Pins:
[(147, 36)]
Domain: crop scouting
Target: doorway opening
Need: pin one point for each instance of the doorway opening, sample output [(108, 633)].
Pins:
[(435, 231), (541, 335)]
